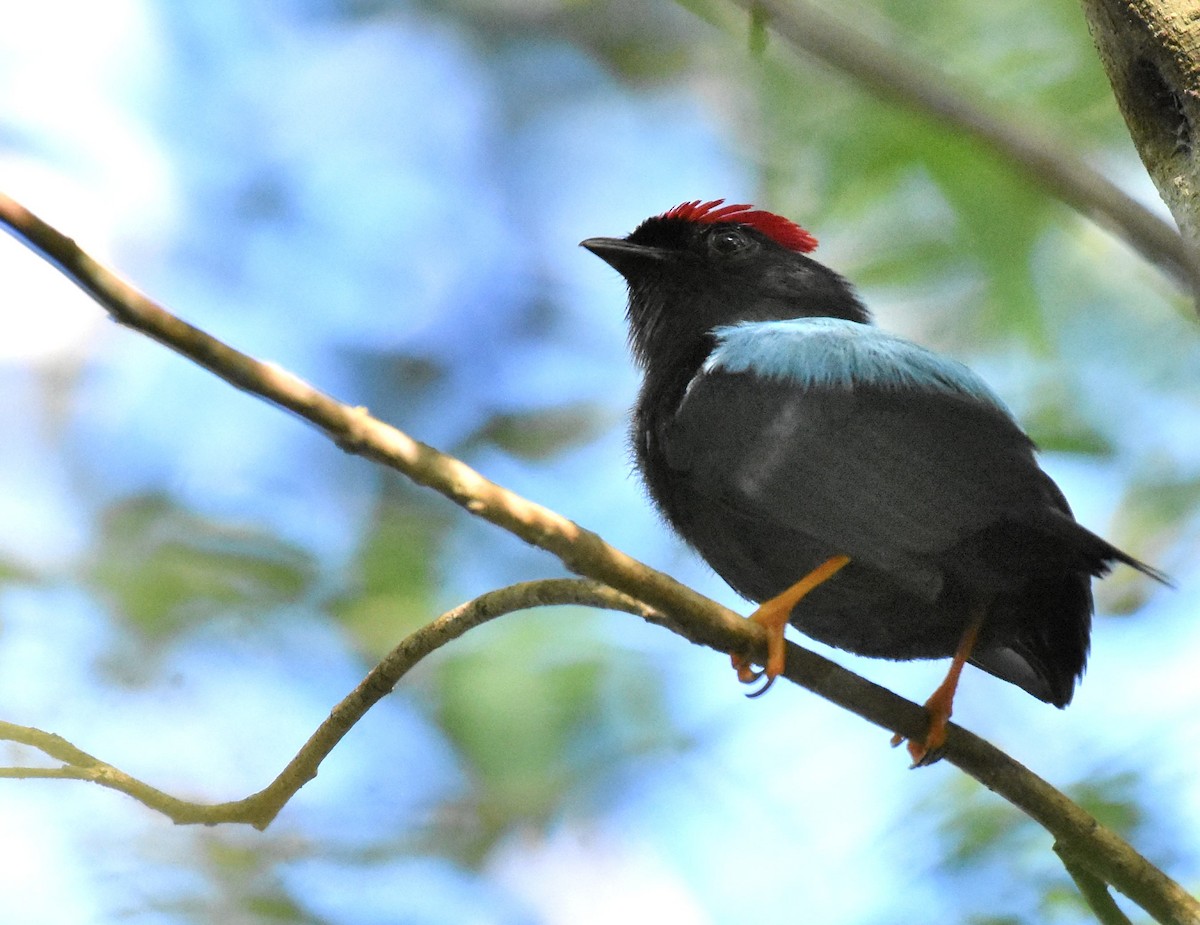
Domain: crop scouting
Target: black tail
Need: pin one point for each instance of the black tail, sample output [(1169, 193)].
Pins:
[(1048, 654)]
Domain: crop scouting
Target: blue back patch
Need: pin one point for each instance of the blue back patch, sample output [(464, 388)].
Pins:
[(832, 353)]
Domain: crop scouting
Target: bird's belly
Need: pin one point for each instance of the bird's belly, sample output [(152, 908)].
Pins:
[(871, 621), (862, 609)]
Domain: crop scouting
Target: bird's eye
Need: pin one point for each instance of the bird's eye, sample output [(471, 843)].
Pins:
[(728, 241)]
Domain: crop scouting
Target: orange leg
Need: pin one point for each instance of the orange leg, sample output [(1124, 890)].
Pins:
[(773, 616), (941, 702)]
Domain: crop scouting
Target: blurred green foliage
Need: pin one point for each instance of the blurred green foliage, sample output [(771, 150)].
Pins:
[(1004, 853), (165, 568), (391, 587), (544, 712), (544, 718)]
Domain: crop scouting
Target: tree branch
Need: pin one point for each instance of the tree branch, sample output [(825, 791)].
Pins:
[(687, 613), (896, 78), (1093, 889), (1151, 52), (260, 809)]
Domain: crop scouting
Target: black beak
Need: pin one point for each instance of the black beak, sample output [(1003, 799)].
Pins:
[(622, 255)]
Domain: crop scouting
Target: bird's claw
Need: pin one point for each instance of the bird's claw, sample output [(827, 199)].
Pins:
[(762, 690), (932, 747), (940, 705), (925, 753), (772, 616), (747, 675)]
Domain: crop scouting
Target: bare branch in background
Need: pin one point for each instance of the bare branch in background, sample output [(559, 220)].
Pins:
[(1043, 159), (260, 809)]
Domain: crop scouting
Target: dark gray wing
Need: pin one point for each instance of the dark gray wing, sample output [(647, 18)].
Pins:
[(889, 476)]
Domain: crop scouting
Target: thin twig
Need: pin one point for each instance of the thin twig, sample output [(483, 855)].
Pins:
[(1045, 160), (691, 615), (1093, 889), (259, 809)]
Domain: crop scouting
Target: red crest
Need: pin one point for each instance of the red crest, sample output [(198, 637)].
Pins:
[(782, 231)]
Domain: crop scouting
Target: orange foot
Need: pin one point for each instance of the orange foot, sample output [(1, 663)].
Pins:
[(941, 704), (929, 749), (773, 616)]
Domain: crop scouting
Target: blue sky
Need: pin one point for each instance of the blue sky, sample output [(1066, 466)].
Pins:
[(352, 196)]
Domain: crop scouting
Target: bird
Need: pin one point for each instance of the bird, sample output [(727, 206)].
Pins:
[(873, 493)]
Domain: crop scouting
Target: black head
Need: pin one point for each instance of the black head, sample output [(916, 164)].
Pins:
[(700, 265)]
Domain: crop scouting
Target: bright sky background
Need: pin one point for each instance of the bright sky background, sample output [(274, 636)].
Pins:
[(332, 194)]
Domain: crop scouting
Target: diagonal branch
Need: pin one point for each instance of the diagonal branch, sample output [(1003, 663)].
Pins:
[(1045, 160), (691, 615), (260, 809), (1094, 890)]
